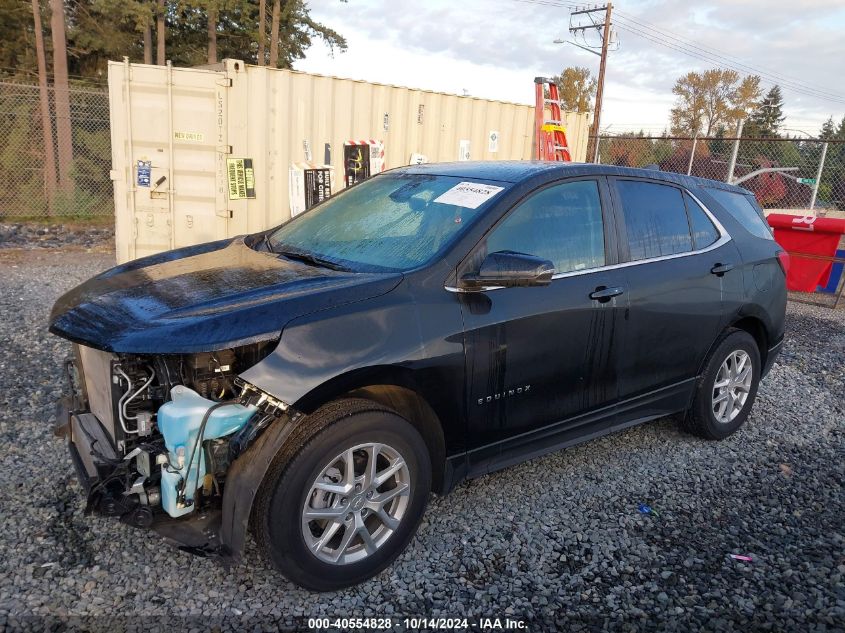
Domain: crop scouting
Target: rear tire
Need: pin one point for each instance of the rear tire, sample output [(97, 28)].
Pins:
[(727, 387), (344, 496)]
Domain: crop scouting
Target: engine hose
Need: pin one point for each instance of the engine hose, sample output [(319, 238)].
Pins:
[(127, 398), (197, 443)]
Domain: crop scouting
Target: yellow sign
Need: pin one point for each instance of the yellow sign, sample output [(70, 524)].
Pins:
[(241, 178), (553, 127)]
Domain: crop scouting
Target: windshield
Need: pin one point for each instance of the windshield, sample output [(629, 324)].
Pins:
[(391, 222)]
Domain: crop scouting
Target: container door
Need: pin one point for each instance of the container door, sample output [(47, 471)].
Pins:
[(169, 153)]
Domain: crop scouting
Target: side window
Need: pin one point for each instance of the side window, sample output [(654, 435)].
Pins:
[(655, 219), (561, 223), (744, 211), (704, 233)]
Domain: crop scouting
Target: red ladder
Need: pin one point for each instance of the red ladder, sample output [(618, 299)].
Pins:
[(550, 133)]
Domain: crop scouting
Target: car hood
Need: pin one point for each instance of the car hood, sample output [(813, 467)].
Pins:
[(203, 298)]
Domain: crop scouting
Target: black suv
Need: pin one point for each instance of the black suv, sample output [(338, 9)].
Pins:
[(314, 382)]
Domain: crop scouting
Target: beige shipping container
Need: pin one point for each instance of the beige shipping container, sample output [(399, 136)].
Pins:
[(174, 131)]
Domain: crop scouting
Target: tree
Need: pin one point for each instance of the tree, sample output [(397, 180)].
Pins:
[(712, 98), (15, 40), (100, 30), (61, 88), (211, 10), (719, 146), (576, 88), (161, 11), (148, 40), (296, 32), (44, 99), (744, 99), (239, 30), (768, 117), (828, 131), (274, 33), (262, 30)]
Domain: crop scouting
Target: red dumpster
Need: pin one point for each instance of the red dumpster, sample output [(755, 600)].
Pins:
[(809, 235)]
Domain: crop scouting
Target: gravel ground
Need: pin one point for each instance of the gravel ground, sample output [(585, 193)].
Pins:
[(558, 542), (34, 235)]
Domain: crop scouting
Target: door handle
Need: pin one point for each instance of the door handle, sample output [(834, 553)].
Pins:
[(721, 269), (603, 294)]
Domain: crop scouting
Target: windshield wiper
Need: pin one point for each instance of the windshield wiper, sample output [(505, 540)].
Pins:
[(311, 258), (268, 244)]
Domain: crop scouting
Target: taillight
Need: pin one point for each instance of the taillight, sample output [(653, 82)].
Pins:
[(783, 260)]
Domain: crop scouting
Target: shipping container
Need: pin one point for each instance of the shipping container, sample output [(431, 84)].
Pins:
[(200, 154)]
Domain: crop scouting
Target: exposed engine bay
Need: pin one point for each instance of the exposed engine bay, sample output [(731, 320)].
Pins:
[(152, 437)]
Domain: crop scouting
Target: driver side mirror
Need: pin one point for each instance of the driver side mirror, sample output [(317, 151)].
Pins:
[(510, 270)]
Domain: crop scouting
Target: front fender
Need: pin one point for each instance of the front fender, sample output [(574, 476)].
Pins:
[(318, 347)]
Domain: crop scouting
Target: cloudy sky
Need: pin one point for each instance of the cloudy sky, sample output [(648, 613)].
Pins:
[(494, 49)]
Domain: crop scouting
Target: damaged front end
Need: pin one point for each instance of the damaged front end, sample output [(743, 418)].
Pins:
[(152, 437)]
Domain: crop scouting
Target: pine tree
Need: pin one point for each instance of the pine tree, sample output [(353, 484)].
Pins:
[(768, 117), (718, 146), (16, 54), (828, 130)]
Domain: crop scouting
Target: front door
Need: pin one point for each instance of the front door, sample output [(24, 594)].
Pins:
[(538, 357)]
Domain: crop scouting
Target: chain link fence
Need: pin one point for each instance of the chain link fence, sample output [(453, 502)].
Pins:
[(78, 185), (782, 173)]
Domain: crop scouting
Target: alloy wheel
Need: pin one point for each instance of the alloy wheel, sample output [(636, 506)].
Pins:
[(356, 503), (732, 386)]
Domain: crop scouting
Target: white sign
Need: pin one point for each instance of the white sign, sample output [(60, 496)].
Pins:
[(418, 159), (493, 144), (463, 149), (306, 148), (469, 195)]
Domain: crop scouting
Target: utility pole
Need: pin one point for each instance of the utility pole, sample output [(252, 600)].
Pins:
[(604, 28)]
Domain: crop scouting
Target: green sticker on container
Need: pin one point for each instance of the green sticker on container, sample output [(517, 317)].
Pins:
[(241, 178)]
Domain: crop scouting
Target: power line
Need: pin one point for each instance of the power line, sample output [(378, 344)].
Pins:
[(692, 49), (717, 52), (550, 3), (692, 53), (729, 58)]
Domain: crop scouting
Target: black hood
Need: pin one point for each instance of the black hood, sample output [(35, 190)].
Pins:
[(203, 298)]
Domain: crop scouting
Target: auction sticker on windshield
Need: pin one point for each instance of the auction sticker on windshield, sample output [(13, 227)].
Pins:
[(469, 195)]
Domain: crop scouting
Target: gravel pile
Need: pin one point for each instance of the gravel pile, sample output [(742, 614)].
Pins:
[(559, 542), (29, 235)]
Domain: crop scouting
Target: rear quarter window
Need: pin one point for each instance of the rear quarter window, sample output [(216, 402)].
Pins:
[(744, 211), (704, 232)]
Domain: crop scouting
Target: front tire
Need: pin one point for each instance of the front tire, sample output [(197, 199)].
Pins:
[(345, 496), (727, 387)]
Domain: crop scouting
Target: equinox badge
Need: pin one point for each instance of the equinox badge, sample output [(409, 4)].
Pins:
[(518, 391)]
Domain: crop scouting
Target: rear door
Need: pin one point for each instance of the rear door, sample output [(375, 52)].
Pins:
[(678, 258)]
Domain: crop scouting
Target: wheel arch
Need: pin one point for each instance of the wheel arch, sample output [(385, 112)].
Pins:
[(747, 323), (396, 388), (757, 329)]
